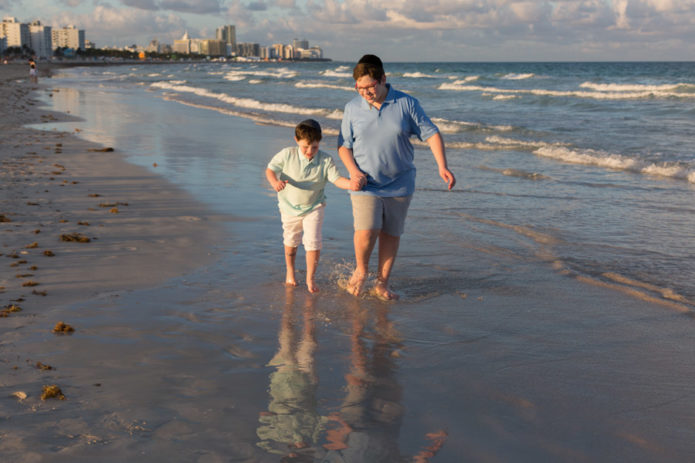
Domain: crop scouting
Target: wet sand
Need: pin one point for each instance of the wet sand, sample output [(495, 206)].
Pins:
[(178, 357)]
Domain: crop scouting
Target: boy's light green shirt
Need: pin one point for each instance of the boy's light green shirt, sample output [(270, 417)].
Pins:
[(306, 179)]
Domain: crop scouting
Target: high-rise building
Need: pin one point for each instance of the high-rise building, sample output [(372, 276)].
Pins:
[(3, 44), (304, 44), (68, 37), (41, 39), (228, 35), (15, 33)]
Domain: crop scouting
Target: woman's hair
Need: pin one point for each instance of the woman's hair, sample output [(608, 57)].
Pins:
[(369, 65)]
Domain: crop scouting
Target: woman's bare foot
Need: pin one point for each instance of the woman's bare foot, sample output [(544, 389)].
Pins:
[(311, 286), (383, 292), (356, 283)]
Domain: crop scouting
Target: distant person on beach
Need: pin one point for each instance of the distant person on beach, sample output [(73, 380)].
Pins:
[(33, 71), (374, 144), (299, 174)]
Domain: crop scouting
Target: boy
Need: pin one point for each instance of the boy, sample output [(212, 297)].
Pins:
[(299, 175)]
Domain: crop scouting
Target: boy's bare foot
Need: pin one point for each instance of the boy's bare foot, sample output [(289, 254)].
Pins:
[(290, 281), (311, 286), (356, 283), (383, 292)]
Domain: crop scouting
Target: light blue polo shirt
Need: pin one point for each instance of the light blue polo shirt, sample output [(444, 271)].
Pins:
[(380, 141), (306, 179)]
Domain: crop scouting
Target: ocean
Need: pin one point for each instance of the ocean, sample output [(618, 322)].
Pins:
[(588, 166), (546, 301)]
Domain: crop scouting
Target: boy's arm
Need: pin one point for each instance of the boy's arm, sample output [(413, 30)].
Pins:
[(278, 185), (436, 143), (346, 184)]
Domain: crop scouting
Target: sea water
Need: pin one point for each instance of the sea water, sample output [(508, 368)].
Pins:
[(588, 166), (522, 329)]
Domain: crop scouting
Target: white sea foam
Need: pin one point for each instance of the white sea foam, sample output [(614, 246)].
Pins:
[(341, 71), (637, 87), (513, 76), (504, 97), (465, 80), (279, 73), (599, 95), (418, 75), (255, 81), (616, 161), (323, 85), (447, 126), (247, 103), (261, 119)]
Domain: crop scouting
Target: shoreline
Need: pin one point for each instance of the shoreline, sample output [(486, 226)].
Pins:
[(504, 352), (141, 229)]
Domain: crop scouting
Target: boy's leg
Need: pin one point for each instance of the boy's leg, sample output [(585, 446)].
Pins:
[(312, 261), (290, 257), (312, 224), (291, 234)]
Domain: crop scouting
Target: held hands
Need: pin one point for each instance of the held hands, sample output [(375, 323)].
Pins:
[(357, 180)]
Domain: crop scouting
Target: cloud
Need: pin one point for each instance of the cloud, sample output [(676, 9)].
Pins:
[(201, 7), (257, 6), (495, 29), (142, 4), (107, 26)]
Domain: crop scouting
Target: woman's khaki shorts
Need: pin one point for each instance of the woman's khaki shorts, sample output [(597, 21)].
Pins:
[(380, 213)]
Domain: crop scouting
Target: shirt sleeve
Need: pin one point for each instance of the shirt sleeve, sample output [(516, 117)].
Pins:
[(278, 162), (332, 172), (421, 126), (346, 137)]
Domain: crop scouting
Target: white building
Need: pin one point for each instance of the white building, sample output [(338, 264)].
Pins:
[(15, 33), (41, 39), (68, 37), (183, 45)]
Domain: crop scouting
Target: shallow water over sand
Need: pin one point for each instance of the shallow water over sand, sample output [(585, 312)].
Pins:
[(505, 339)]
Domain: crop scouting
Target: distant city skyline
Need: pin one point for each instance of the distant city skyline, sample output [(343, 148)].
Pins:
[(402, 30)]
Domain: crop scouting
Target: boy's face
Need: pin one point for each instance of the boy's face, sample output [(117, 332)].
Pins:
[(307, 148)]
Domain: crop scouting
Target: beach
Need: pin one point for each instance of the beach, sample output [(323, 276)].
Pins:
[(187, 346)]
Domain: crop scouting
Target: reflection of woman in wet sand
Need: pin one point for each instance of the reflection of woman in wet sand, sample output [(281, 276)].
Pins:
[(292, 426), (367, 427)]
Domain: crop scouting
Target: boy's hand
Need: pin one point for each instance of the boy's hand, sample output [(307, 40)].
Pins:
[(280, 185), (355, 184)]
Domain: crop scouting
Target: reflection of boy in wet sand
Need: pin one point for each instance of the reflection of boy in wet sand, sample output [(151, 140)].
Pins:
[(292, 425), (368, 424), (299, 174)]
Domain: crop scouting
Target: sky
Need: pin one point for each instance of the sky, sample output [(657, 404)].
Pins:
[(396, 30)]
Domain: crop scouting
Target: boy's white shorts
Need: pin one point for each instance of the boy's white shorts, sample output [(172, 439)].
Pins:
[(310, 223)]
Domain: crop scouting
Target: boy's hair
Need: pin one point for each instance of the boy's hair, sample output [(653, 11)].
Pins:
[(308, 130), (369, 65)]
